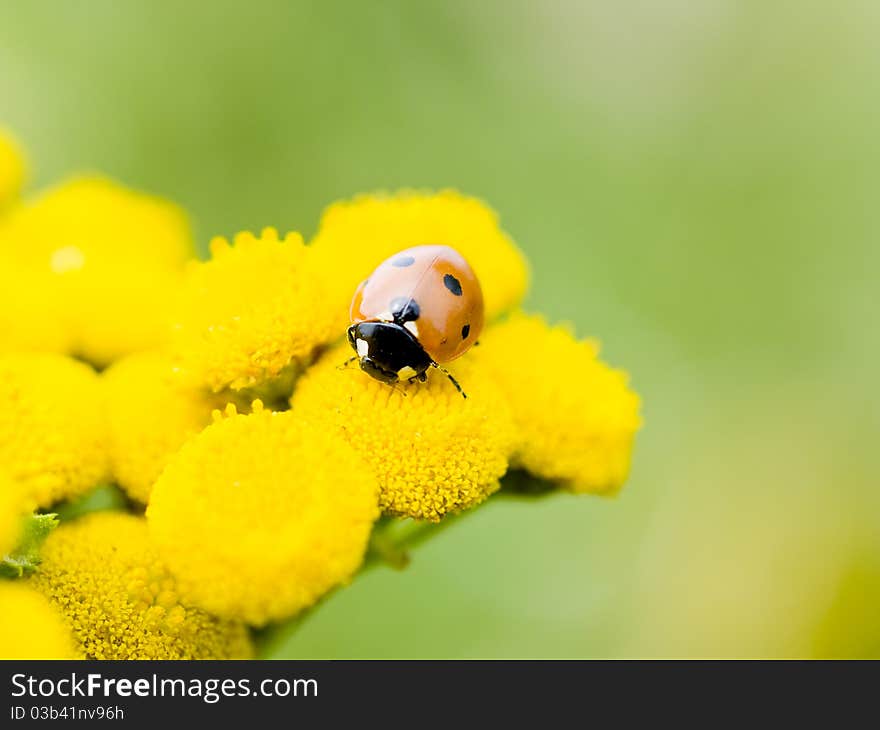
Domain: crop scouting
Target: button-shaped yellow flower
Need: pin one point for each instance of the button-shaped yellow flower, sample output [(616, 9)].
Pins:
[(31, 628), (151, 412), (52, 427), (103, 573), (261, 514), (576, 415), (110, 255), (254, 310), (356, 235), (433, 451), (12, 168)]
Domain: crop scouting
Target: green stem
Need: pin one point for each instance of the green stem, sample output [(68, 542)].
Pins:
[(390, 545)]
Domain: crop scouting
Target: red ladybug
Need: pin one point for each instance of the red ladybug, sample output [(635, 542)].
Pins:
[(418, 309)]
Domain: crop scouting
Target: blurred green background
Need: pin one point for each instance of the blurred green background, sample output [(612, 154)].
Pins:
[(695, 183)]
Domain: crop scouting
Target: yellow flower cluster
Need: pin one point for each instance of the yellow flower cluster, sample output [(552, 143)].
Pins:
[(31, 628), (257, 308), (262, 514), (106, 258), (12, 168), (102, 573), (253, 517), (52, 431)]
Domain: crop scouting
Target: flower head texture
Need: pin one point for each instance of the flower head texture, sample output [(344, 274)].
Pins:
[(151, 412), (52, 428), (32, 628), (261, 514), (433, 451), (256, 308), (108, 254), (356, 235), (576, 415), (12, 168), (103, 574)]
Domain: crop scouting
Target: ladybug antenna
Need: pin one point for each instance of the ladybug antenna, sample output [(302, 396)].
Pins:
[(452, 380), (348, 362)]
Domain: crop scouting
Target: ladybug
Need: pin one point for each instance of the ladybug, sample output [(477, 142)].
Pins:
[(420, 308)]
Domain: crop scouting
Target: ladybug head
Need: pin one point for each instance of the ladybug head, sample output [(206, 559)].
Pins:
[(387, 351)]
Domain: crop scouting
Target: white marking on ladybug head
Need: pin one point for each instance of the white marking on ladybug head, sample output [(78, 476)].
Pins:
[(362, 348), (411, 326), (406, 372)]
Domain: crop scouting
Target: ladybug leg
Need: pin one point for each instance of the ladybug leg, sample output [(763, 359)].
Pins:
[(452, 380)]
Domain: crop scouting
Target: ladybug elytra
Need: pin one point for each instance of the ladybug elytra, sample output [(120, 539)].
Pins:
[(420, 308)]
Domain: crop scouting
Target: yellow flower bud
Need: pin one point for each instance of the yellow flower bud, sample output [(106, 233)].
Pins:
[(151, 412), (31, 627), (433, 451), (13, 507), (52, 428), (108, 259), (577, 416), (13, 168), (98, 571), (259, 515), (252, 311)]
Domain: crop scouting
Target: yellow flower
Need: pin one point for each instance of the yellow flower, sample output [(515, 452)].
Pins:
[(260, 515), (31, 627), (355, 236), (433, 451), (30, 307), (13, 506), (108, 256), (52, 428), (577, 416), (103, 573), (12, 168), (252, 311), (151, 412)]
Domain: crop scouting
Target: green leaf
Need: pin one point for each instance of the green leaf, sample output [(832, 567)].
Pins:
[(100, 499), (25, 558)]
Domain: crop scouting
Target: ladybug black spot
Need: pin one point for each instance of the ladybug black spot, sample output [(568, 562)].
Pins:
[(403, 261), (453, 284), (465, 331), (404, 309)]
